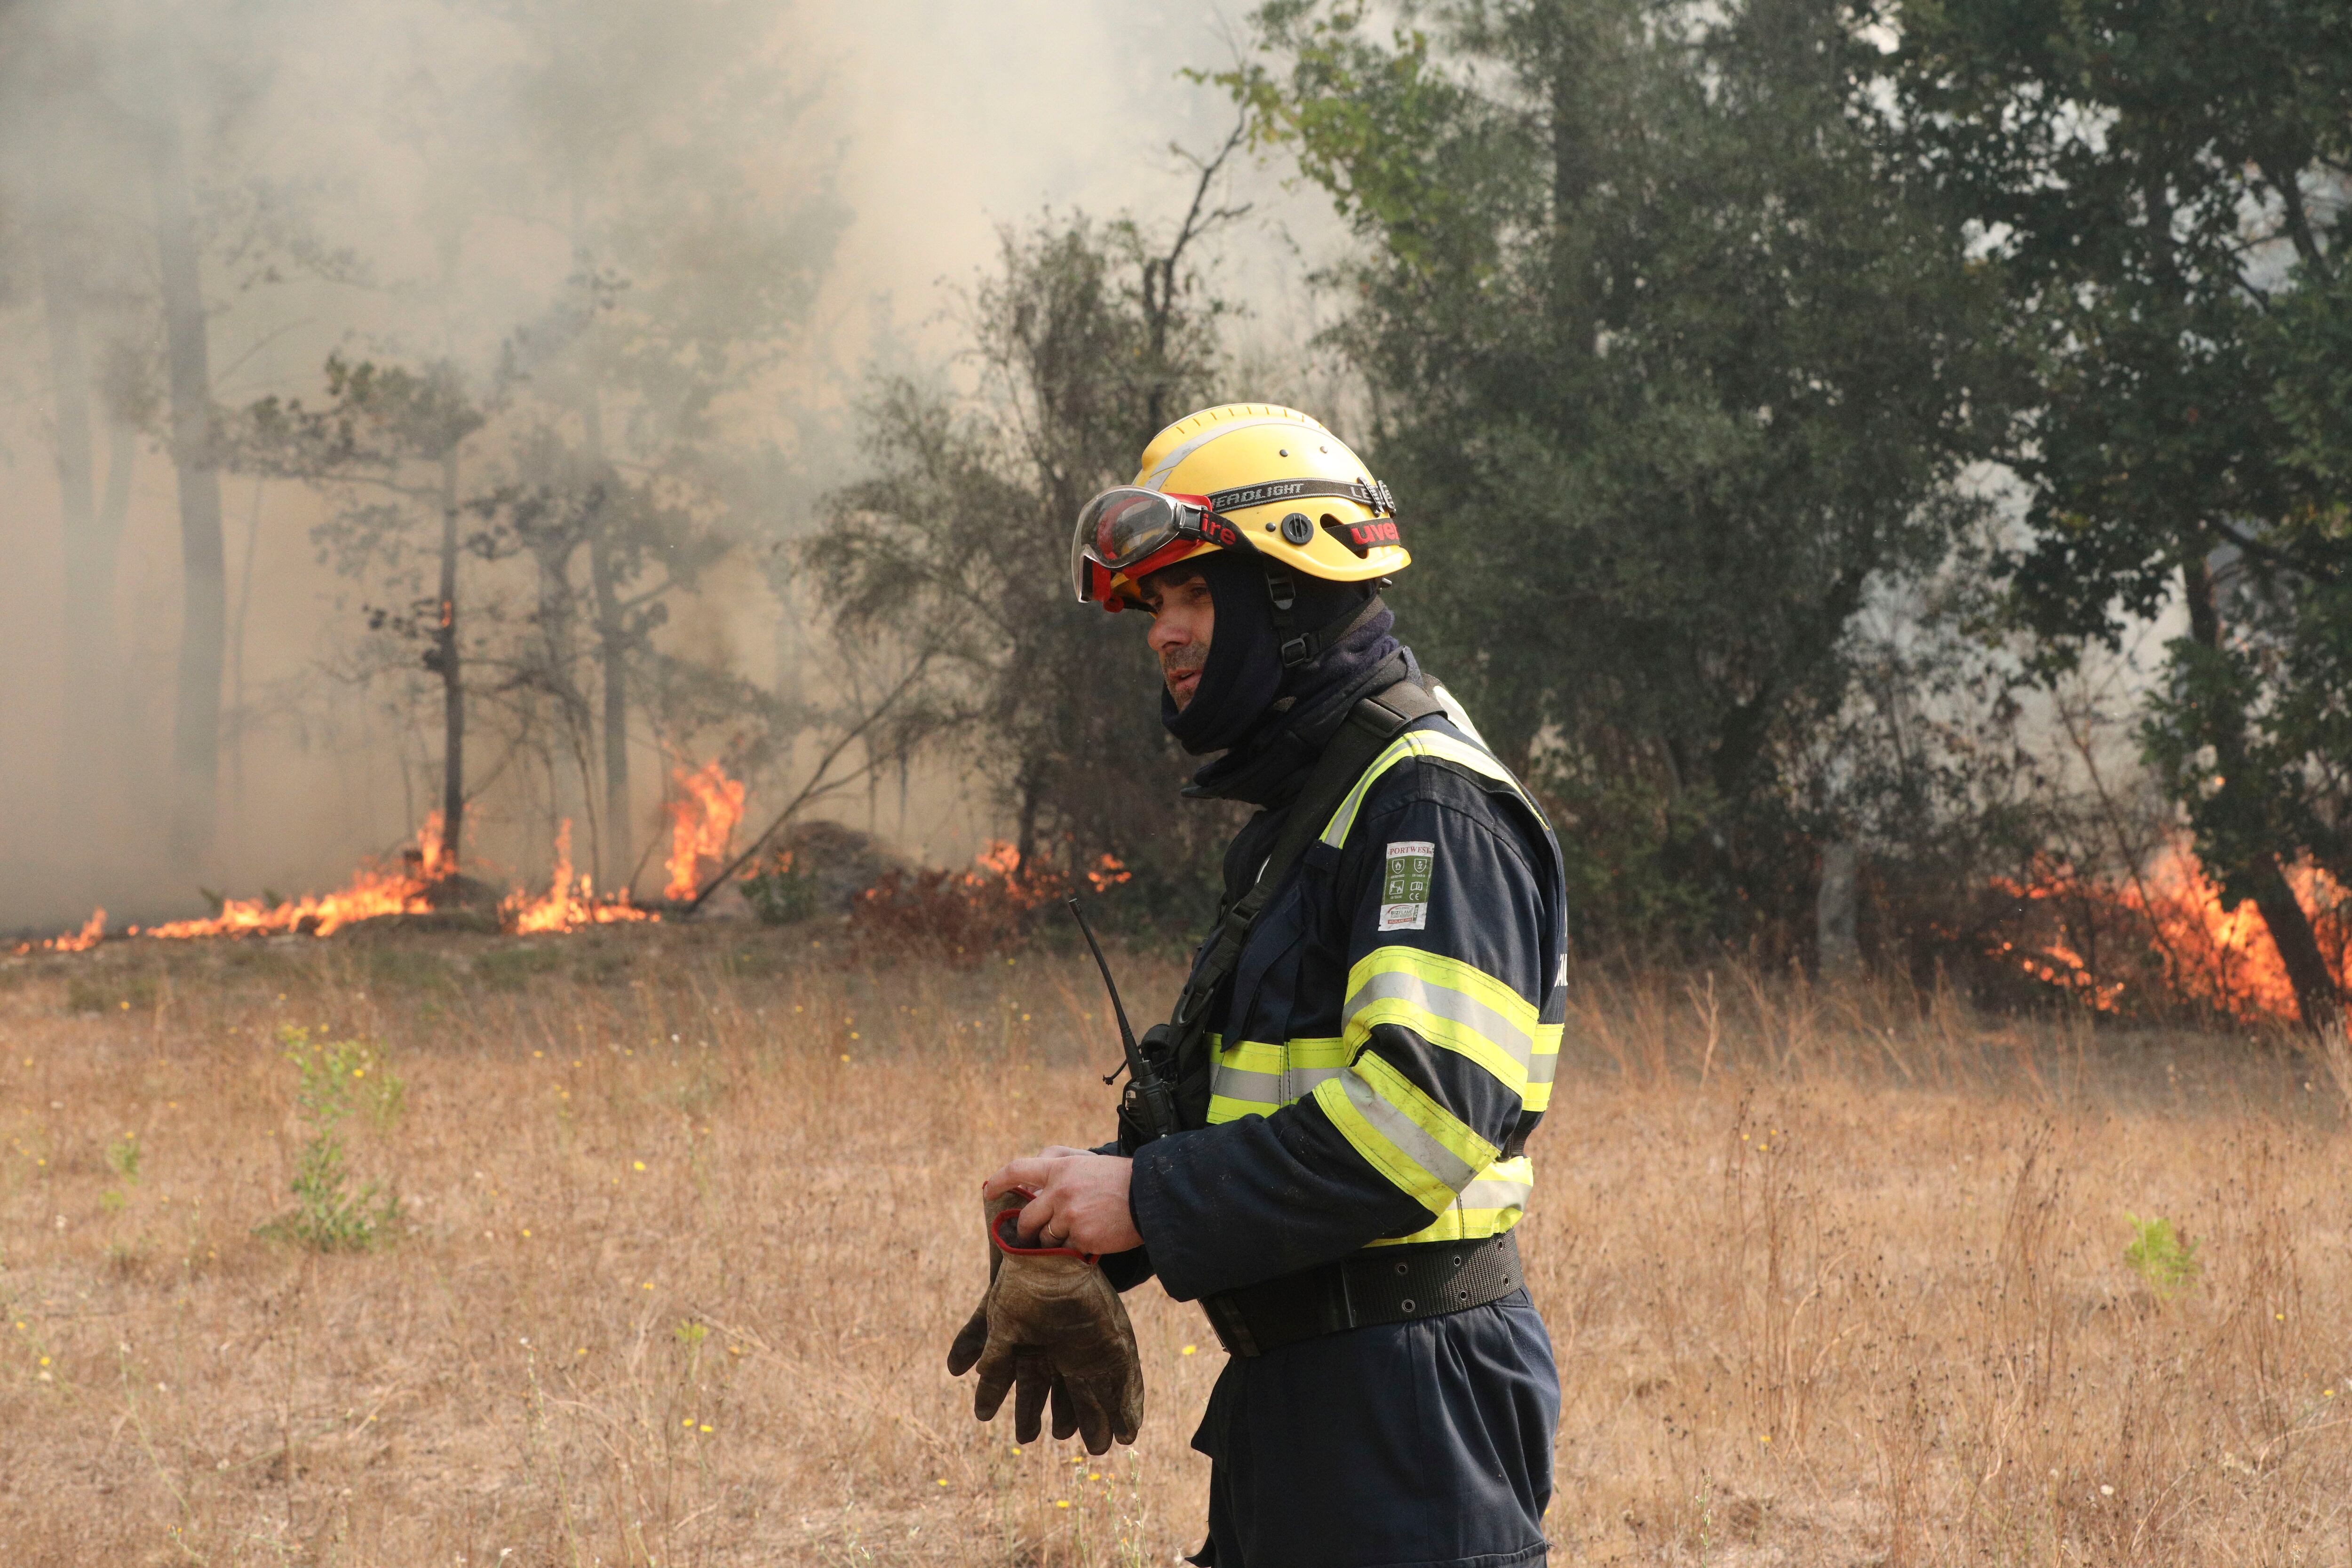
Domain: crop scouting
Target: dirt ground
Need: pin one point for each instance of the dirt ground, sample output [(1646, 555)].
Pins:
[(687, 1217)]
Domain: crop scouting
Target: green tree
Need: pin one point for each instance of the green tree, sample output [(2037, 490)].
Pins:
[(1672, 371), (2146, 178), (1086, 339)]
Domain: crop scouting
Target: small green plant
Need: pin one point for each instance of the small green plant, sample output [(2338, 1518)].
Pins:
[(337, 1080), (2162, 1257), (123, 1154), (781, 892)]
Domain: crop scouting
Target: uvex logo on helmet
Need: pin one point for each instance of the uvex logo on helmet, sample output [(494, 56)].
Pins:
[(1243, 477)]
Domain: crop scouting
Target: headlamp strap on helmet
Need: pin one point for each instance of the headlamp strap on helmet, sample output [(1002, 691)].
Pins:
[(1372, 495)]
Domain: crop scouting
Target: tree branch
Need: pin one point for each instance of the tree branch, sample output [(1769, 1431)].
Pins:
[(2263, 550), (2298, 220), (810, 790)]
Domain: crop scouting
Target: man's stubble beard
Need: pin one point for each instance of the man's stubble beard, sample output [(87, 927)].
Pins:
[(1187, 662)]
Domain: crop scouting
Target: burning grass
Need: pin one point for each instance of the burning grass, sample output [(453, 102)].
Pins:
[(704, 814), (687, 1217)]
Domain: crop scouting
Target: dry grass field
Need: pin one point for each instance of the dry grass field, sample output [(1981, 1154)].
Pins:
[(688, 1218)]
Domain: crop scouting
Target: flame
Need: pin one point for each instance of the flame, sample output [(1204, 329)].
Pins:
[(92, 932), (701, 822), (2208, 952), (568, 904), (378, 889), (374, 889), (434, 860)]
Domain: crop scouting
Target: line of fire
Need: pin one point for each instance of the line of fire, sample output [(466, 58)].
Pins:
[(963, 912)]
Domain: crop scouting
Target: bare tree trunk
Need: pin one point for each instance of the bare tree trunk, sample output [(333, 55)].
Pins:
[(453, 691), (1025, 843), (611, 658), (2316, 996), (237, 714), (1840, 953), (204, 573), (88, 546), (613, 654), (554, 615), (122, 727)]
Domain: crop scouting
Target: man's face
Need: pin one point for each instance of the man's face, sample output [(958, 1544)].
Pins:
[(1182, 617)]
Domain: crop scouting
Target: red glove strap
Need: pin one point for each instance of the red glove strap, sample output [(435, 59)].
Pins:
[(1005, 1231)]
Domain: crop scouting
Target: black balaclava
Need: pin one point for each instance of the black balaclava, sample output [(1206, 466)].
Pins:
[(1245, 667), (1271, 722)]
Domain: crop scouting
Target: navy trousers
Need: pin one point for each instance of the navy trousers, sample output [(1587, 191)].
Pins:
[(1422, 1444)]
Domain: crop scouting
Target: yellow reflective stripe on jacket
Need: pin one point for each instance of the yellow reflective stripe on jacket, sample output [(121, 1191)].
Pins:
[(1447, 1002), (1405, 1135), (1420, 743), (1492, 1203), (1543, 1067), (1251, 1078)]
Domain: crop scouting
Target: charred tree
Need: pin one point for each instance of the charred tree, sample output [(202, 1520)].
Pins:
[(390, 444), (444, 660), (612, 652), (612, 666)]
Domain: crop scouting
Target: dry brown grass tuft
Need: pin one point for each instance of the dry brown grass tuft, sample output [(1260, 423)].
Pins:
[(1833, 1278)]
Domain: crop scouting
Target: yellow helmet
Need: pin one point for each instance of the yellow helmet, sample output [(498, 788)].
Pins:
[(1245, 476)]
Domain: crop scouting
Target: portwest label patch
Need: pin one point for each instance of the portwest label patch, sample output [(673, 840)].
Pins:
[(1405, 891)]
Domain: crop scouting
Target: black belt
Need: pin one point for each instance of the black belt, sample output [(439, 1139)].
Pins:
[(1378, 1285)]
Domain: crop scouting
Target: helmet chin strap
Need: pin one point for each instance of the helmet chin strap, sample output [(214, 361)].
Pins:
[(1298, 648)]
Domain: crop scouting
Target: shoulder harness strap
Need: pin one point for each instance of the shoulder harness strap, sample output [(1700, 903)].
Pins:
[(1371, 726)]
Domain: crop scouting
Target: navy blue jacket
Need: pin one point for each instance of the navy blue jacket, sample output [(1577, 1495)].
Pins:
[(1389, 1038)]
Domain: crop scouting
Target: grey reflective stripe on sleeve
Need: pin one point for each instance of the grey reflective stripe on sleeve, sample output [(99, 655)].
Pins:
[(1406, 1134), (1444, 1002), (1268, 1087), (1493, 1193), (1543, 1067), (1239, 1083)]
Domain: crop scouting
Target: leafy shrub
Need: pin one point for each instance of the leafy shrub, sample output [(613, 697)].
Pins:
[(2162, 1257), (336, 1080)]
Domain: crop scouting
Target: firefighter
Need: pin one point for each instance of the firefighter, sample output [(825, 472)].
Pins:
[(1362, 1048)]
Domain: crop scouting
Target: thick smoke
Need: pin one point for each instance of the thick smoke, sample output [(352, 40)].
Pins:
[(654, 241)]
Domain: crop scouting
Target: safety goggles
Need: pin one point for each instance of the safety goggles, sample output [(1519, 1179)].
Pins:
[(1134, 531), (1137, 532)]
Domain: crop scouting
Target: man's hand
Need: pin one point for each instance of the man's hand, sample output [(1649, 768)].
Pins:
[(1081, 1199)]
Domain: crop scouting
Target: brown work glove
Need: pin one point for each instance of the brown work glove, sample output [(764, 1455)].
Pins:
[(1051, 1326)]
